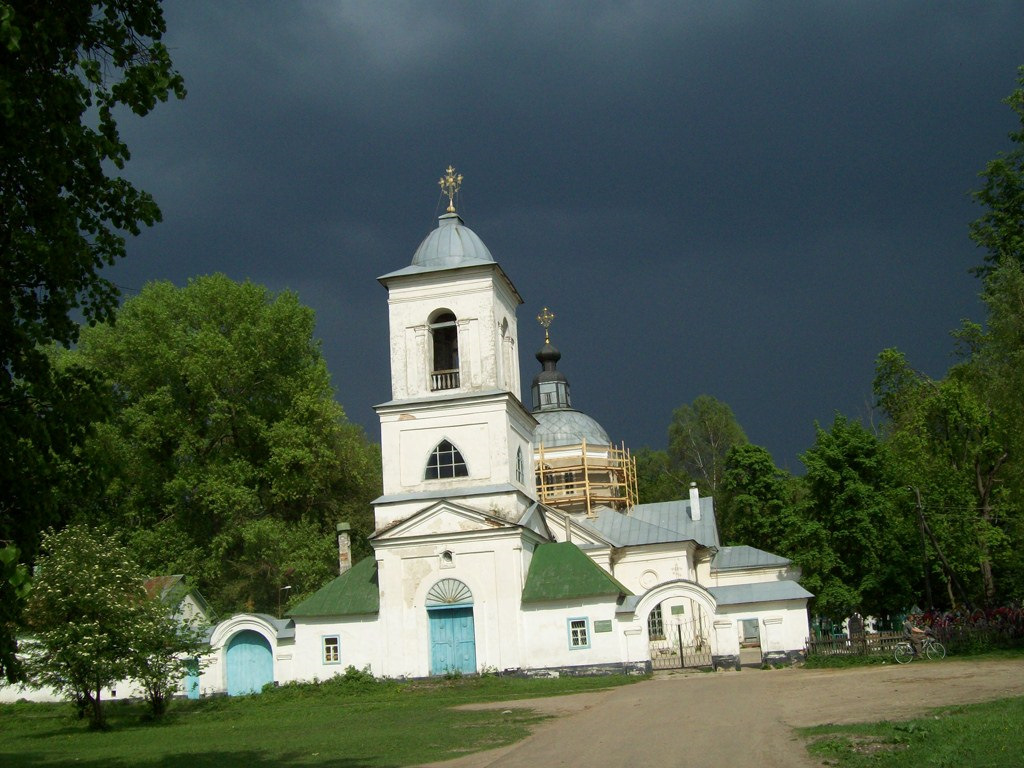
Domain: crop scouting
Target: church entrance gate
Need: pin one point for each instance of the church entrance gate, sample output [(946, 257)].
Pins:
[(686, 644)]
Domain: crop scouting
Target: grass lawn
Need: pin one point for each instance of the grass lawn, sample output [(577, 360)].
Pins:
[(976, 736), (345, 723)]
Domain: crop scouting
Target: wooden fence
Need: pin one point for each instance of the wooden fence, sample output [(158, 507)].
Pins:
[(859, 645)]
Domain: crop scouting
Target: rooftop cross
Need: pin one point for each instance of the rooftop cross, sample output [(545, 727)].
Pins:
[(544, 318), (450, 183)]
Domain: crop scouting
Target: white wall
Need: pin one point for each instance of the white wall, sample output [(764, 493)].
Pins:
[(487, 431), (782, 624), (489, 563), (546, 639), (752, 576), (360, 646), (642, 568), (481, 300)]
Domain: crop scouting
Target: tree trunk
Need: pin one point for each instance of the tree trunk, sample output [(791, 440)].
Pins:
[(96, 722), (985, 478)]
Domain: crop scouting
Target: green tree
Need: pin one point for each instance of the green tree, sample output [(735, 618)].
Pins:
[(956, 445), (234, 462), (15, 585), (655, 479), (757, 507), (66, 68), (165, 647), (1000, 230), (699, 437), (864, 536), (84, 611)]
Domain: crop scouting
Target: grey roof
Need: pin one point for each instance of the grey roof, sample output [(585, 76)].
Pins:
[(452, 244), (659, 523), (567, 427), (675, 516), (622, 530), (449, 493), (628, 604), (285, 628), (763, 592), (730, 558), (457, 397)]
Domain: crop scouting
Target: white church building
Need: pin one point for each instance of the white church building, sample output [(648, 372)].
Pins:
[(507, 538), (471, 570)]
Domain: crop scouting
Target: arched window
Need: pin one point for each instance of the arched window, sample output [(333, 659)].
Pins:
[(520, 471), (445, 461), (444, 340), (655, 624)]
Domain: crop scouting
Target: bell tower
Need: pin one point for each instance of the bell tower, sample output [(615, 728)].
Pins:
[(454, 426)]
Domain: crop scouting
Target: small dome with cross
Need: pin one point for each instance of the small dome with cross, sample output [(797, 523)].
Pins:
[(452, 244)]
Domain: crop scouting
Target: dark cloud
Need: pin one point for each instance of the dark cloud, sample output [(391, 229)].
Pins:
[(749, 200)]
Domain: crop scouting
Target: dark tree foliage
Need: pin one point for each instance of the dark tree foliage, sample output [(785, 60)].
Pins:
[(655, 479), (66, 67), (1000, 230)]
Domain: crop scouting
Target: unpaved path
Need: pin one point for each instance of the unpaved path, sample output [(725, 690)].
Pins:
[(737, 718)]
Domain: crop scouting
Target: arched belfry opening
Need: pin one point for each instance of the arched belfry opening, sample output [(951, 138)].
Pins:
[(444, 342)]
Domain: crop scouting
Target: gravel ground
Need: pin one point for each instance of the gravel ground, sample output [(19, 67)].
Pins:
[(697, 719)]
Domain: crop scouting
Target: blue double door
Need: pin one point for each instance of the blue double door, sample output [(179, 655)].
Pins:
[(452, 640), (250, 663)]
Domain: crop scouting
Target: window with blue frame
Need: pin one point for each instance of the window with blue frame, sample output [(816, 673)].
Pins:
[(332, 649), (579, 633)]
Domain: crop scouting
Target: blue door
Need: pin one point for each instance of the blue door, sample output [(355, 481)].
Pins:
[(250, 663), (452, 640), (192, 679)]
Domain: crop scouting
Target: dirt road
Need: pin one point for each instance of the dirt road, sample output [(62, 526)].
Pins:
[(737, 718)]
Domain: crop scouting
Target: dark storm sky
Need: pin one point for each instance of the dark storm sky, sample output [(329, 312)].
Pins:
[(749, 200)]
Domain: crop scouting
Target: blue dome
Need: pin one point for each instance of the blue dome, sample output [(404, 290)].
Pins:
[(452, 244), (567, 427)]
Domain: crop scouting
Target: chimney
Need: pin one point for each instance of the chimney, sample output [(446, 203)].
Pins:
[(694, 503), (344, 547)]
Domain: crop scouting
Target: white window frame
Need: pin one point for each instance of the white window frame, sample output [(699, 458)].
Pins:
[(328, 649), (579, 635)]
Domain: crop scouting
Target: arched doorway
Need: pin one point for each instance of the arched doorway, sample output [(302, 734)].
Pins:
[(452, 631), (679, 617), (250, 663)]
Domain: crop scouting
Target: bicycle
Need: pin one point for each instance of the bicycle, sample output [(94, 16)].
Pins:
[(930, 647)]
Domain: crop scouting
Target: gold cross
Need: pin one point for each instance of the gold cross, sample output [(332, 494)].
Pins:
[(450, 183), (544, 318)]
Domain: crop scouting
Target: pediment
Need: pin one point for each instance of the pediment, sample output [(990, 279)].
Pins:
[(443, 518)]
